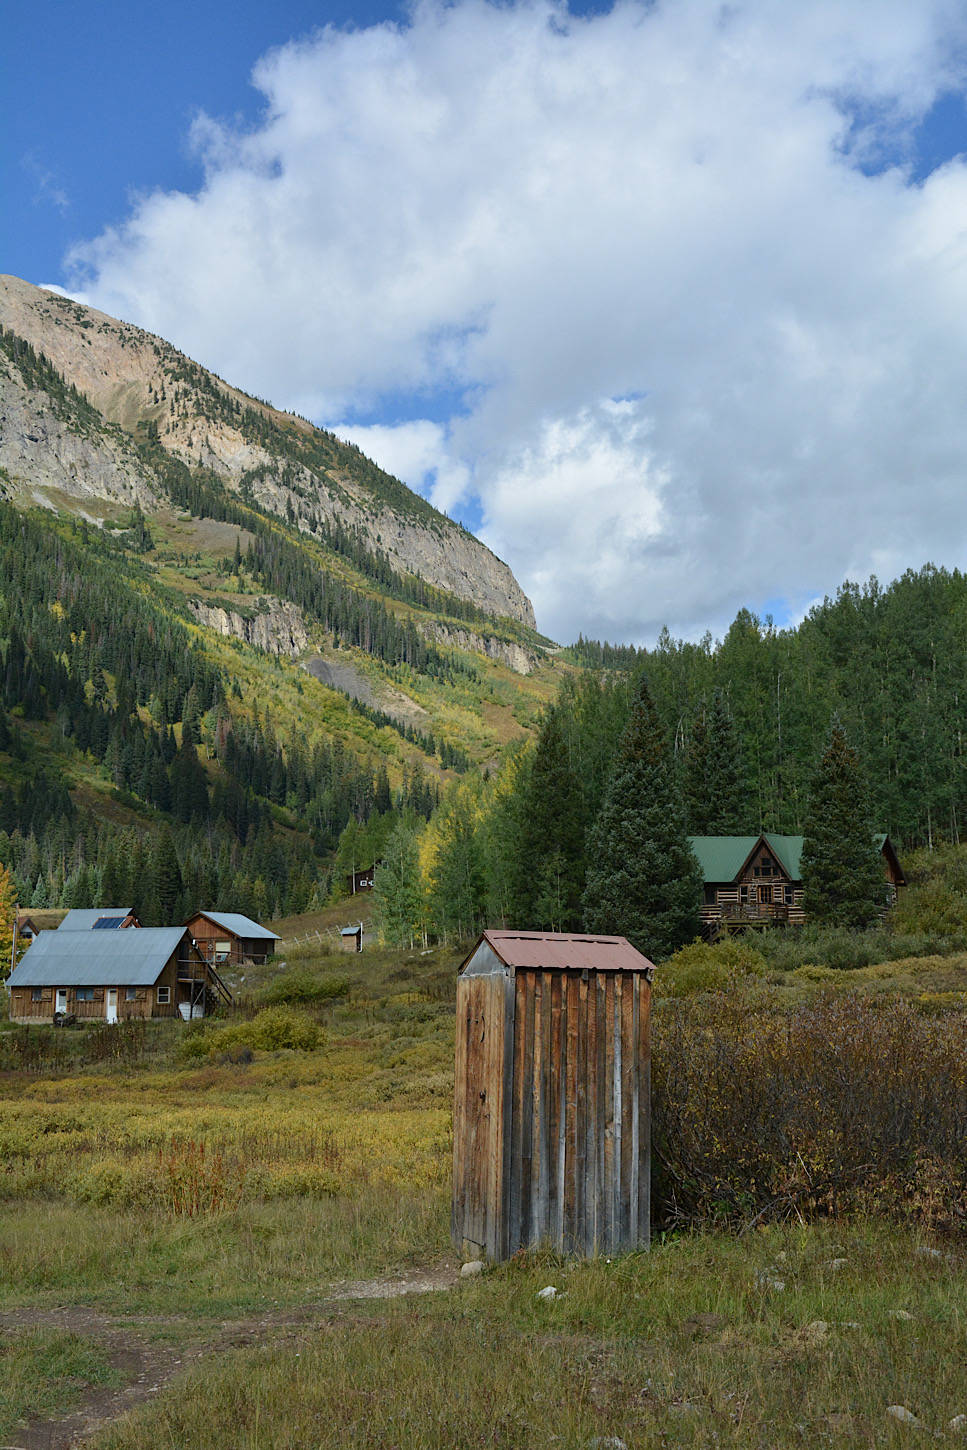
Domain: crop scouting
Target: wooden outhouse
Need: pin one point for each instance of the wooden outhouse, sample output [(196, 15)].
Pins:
[(552, 1108), (351, 938)]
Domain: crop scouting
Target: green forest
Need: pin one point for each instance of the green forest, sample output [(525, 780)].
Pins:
[(742, 725)]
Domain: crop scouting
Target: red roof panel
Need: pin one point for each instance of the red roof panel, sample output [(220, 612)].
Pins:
[(555, 951)]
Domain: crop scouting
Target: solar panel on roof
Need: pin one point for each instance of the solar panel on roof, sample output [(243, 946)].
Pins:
[(107, 923)]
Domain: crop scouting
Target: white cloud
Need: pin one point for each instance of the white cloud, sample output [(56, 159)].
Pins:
[(661, 206), (416, 452)]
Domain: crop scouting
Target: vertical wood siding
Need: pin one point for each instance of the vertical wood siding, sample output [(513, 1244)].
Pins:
[(552, 1113)]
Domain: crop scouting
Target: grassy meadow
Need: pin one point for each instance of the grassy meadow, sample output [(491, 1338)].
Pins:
[(252, 1204)]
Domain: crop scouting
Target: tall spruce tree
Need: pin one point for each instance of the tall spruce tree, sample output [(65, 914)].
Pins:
[(643, 881), (166, 880), (549, 869), (715, 785), (842, 869)]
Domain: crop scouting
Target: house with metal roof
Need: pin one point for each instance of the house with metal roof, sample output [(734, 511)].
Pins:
[(755, 880), (228, 938), (109, 976), (99, 918)]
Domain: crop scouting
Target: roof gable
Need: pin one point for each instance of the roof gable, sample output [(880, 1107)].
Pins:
[(236, 924), (724, 858), (557, 951), (97, 959)]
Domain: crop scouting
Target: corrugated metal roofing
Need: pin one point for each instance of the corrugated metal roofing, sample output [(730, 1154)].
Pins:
[(83, 920), (788, 852), (97, 959), (556, 951), (239, 925), (722, 857)]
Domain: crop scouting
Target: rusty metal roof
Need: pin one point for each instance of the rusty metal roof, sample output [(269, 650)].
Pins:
[(555, 951)]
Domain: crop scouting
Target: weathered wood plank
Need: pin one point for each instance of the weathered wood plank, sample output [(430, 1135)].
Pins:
[(607, 1179), (542, 1056), (629, 1072), (555, 1111), (519, 1162), (578, 1092), (644, 1113), (635, 1112)]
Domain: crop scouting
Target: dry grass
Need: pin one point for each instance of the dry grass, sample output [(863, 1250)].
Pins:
[(333, 1165), (692, 1345)]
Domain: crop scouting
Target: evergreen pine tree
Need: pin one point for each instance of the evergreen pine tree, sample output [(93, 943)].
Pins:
[(715, 785), (842, 870), (549, 865), (166, 878), (643, 881), (382, 797)]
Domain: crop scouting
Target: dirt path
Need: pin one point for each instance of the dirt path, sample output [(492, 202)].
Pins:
[(148, 1366)]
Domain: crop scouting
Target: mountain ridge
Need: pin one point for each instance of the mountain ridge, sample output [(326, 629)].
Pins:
[(138, 387)]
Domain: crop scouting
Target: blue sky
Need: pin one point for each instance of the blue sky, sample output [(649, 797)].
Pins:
[(601, 320)]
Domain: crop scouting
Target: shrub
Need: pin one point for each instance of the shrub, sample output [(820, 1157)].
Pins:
[(703, 968), (933, 906), (841, 1104), (302, 986), (270, 1031)]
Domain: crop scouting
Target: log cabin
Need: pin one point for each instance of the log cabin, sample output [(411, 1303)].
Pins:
[(226, 938), (112, 976), (754, 880)]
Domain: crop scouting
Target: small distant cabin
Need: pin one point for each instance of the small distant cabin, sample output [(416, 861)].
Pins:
[(112, 976), (351, 938), (361, 880), (99, 918), (552, 1101), (226, 938), (27, 929), (755, 880)]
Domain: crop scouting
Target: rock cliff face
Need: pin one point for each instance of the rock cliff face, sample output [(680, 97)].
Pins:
[(515, 656), (139, 382), (278, 627), (43, 451)]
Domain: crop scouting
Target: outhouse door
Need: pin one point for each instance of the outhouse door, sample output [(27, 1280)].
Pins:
[(112, 1004)]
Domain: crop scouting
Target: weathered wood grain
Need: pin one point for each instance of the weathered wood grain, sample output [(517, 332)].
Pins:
[(552, 1110)]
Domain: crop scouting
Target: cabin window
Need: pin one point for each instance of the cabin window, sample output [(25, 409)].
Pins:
[(223, 949), (164, 994), (36, 994), (84, 994), (743, 893), (710, 896), (130, 994)]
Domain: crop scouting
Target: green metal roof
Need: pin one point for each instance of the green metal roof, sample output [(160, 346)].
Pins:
[(722, 857)]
